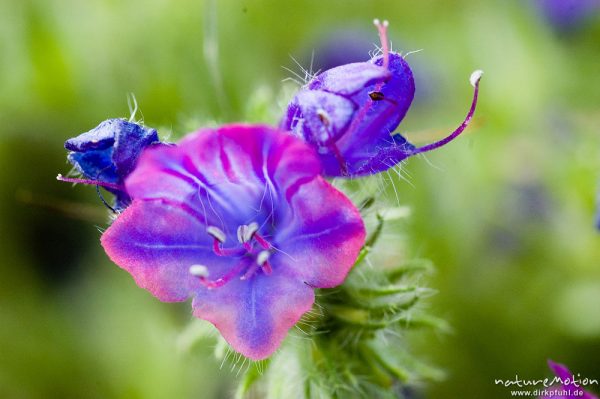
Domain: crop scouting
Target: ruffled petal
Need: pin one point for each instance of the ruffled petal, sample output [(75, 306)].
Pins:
[(254, 316), (323, 234), (348, 79), (157, 242), (229, 176)]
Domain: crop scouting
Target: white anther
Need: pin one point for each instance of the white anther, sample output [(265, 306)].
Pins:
[(385, 23), (250, 230), (262, 257), (240, 233), (246, 231), (59, 176), (216, 233), (475, 76), (376, 22), (199, 271)]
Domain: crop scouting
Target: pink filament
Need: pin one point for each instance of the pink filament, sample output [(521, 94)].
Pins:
[(382, 29), (459, 129), (91, 182)]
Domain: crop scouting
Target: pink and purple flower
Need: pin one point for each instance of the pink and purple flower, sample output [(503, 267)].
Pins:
[(349, 114), (240, 219), (568, 387)]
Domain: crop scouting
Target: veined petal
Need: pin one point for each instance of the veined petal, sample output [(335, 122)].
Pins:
[(227, 174), (348, 79), (254, 316), (157, 242), (323, 234)]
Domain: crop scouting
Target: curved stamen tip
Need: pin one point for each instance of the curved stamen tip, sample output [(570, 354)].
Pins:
[(475, 77), (217, 233), (262, 257), (245, 232), (199, 271)]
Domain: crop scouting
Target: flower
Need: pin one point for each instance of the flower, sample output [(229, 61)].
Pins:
[(240, 219), (568, 15), (107, 154), (569, 387), (349, 113)]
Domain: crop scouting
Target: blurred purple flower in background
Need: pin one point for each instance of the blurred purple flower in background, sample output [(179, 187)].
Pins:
[(349, 114), (240, 219), (568, 387), (568, 15), (107, 154), (341, 47)]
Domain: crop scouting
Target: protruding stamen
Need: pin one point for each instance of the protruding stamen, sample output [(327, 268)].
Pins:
[(261, 241), (382, 29), (262, 257), (250, 231), (199, 271), (210, 284), (91, 182), (263, 261), (474, 79), (245, 232), (216, 233)]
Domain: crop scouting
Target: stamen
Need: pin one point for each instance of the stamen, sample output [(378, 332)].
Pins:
[(210, 284), (251, 229), (474, 79), (219, 238), (262, 257), (216, 233), (263, 261), (246, 231), (261, 241), (382, 29), (250, 272), (91, 182), (199, 271)]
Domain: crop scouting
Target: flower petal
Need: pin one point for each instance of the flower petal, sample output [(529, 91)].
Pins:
[(157, 242), (225, 175), (323, 234), (348, 79), (255, 315)]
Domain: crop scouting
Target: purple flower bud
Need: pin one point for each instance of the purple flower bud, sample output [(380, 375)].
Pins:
[(349, 114), (568, 15), (107, 154)]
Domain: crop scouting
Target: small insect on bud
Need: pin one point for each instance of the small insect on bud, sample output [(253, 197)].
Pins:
[(376, 95), (217, 233), (199, 271)]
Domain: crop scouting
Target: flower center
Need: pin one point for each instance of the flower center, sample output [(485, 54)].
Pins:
[(255, 252)]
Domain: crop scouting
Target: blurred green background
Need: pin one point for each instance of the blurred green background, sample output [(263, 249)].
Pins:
[(506, 212)]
